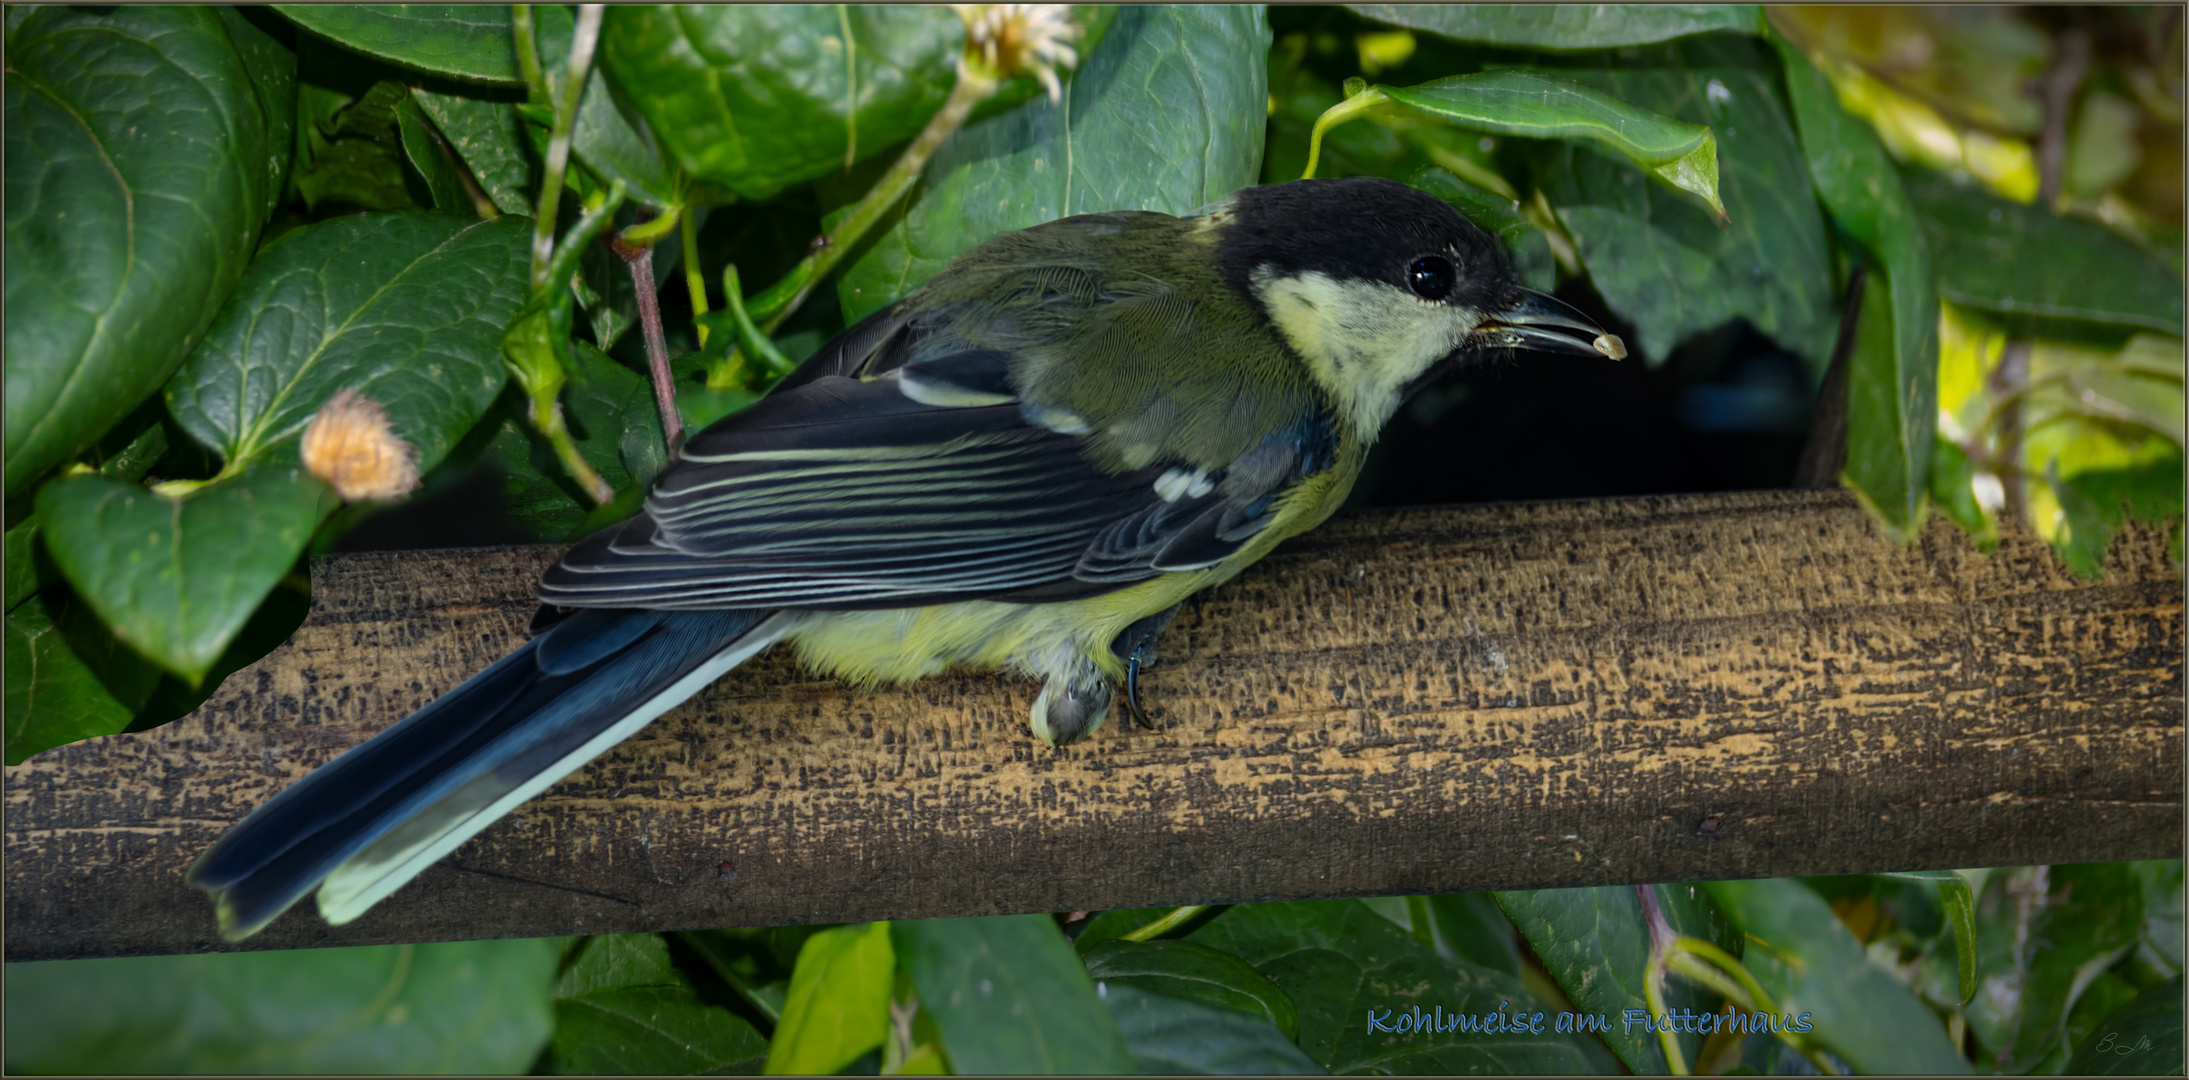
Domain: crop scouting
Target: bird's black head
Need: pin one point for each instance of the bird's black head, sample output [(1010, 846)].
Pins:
[(1365, 229), (1375, 285)]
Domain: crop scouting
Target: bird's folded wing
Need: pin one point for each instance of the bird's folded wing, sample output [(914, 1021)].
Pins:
[(926, 484)]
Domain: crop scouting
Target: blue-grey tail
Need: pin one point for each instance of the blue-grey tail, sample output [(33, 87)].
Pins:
[(374, 818)]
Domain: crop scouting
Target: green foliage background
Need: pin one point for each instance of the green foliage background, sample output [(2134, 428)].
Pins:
[(218, 218)]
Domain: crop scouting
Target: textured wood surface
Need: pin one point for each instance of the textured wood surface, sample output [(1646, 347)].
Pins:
[(1517, 696)]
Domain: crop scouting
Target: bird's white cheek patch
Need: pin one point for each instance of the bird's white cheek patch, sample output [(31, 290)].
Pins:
[(1363, 340)]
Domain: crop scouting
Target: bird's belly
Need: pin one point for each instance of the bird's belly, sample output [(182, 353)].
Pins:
[(898, 646)]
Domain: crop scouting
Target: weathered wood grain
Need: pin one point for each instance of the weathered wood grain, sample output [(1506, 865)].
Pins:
[(1511, 696)]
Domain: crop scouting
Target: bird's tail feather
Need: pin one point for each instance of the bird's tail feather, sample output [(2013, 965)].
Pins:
[(371, 820)]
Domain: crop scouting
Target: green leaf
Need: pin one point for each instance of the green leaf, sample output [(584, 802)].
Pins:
[(2162, 911), (140, 163), (1594, 943), (1525, 240), (470, 42), (754, 97), (349, 146), (406, 309), (1342, 963), (423, 149), (1471, 927), (2142, 1038), (2045, 931), (1150, 121), (2029, 266), (2097, 502), (622, 1008), (177, 578), (1811, 963), (1567, 26), (272, 67), (1172, 1036), (1538, 106), (458, 1007), (1892, 375), (67, 677), (1007, 995), (489, 137), (1953, 491), (1183, 969), (1658, 258), (838, 1008)]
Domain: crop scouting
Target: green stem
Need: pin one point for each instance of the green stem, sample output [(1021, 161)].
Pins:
[(694, 283), (646, 232), (1751, 995), (1166, 924), (565, 262), (1653, 994), (1353, 107), (528, 53), (973, 87), (550, 423), (575, 73), (730, 372)]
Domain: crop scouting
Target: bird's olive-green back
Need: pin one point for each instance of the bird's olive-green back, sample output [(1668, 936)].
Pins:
[(1123, 320)]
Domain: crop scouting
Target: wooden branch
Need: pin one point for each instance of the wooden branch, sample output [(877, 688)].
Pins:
[(1520, 696)]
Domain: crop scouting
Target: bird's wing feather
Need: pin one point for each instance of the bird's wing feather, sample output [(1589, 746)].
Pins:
[(925, 483)]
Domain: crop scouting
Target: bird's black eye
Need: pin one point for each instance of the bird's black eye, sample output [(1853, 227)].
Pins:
[(1431, 277)]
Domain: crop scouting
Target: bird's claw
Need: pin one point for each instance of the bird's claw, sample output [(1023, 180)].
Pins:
[(1137, 645)]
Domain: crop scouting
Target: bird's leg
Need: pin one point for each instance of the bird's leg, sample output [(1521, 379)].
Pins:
[(1073, 703), (1136, 646)]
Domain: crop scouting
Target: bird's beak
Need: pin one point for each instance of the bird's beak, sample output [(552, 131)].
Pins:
[(1534, 320)]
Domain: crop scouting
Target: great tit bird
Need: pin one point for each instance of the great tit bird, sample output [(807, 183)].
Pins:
[(1025, 464)]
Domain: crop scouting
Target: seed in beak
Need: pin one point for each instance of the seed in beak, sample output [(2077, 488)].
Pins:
[(1611, 346)]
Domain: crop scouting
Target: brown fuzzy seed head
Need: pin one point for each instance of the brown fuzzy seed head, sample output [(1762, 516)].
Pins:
[(351, 446)]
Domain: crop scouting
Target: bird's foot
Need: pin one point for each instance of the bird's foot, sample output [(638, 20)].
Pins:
[(1136, 646), (1073, 703)]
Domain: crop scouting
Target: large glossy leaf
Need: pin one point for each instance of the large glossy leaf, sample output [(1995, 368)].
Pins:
[(1595, 944), (1342, 964), (1567, 26), (177, 578), (621, 1008), (759, 97), (458, 1007), (838, 1005), (472, 42), (140, 161), (2041, 930), (1170, 1036), (1007, 994), (1150, 121), (1810, 963), (2028, 265), (1892, 375), (489, 137), (1657, 256), (1537, 106), (2142, 1038), (407, 309), (1193, 972)]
